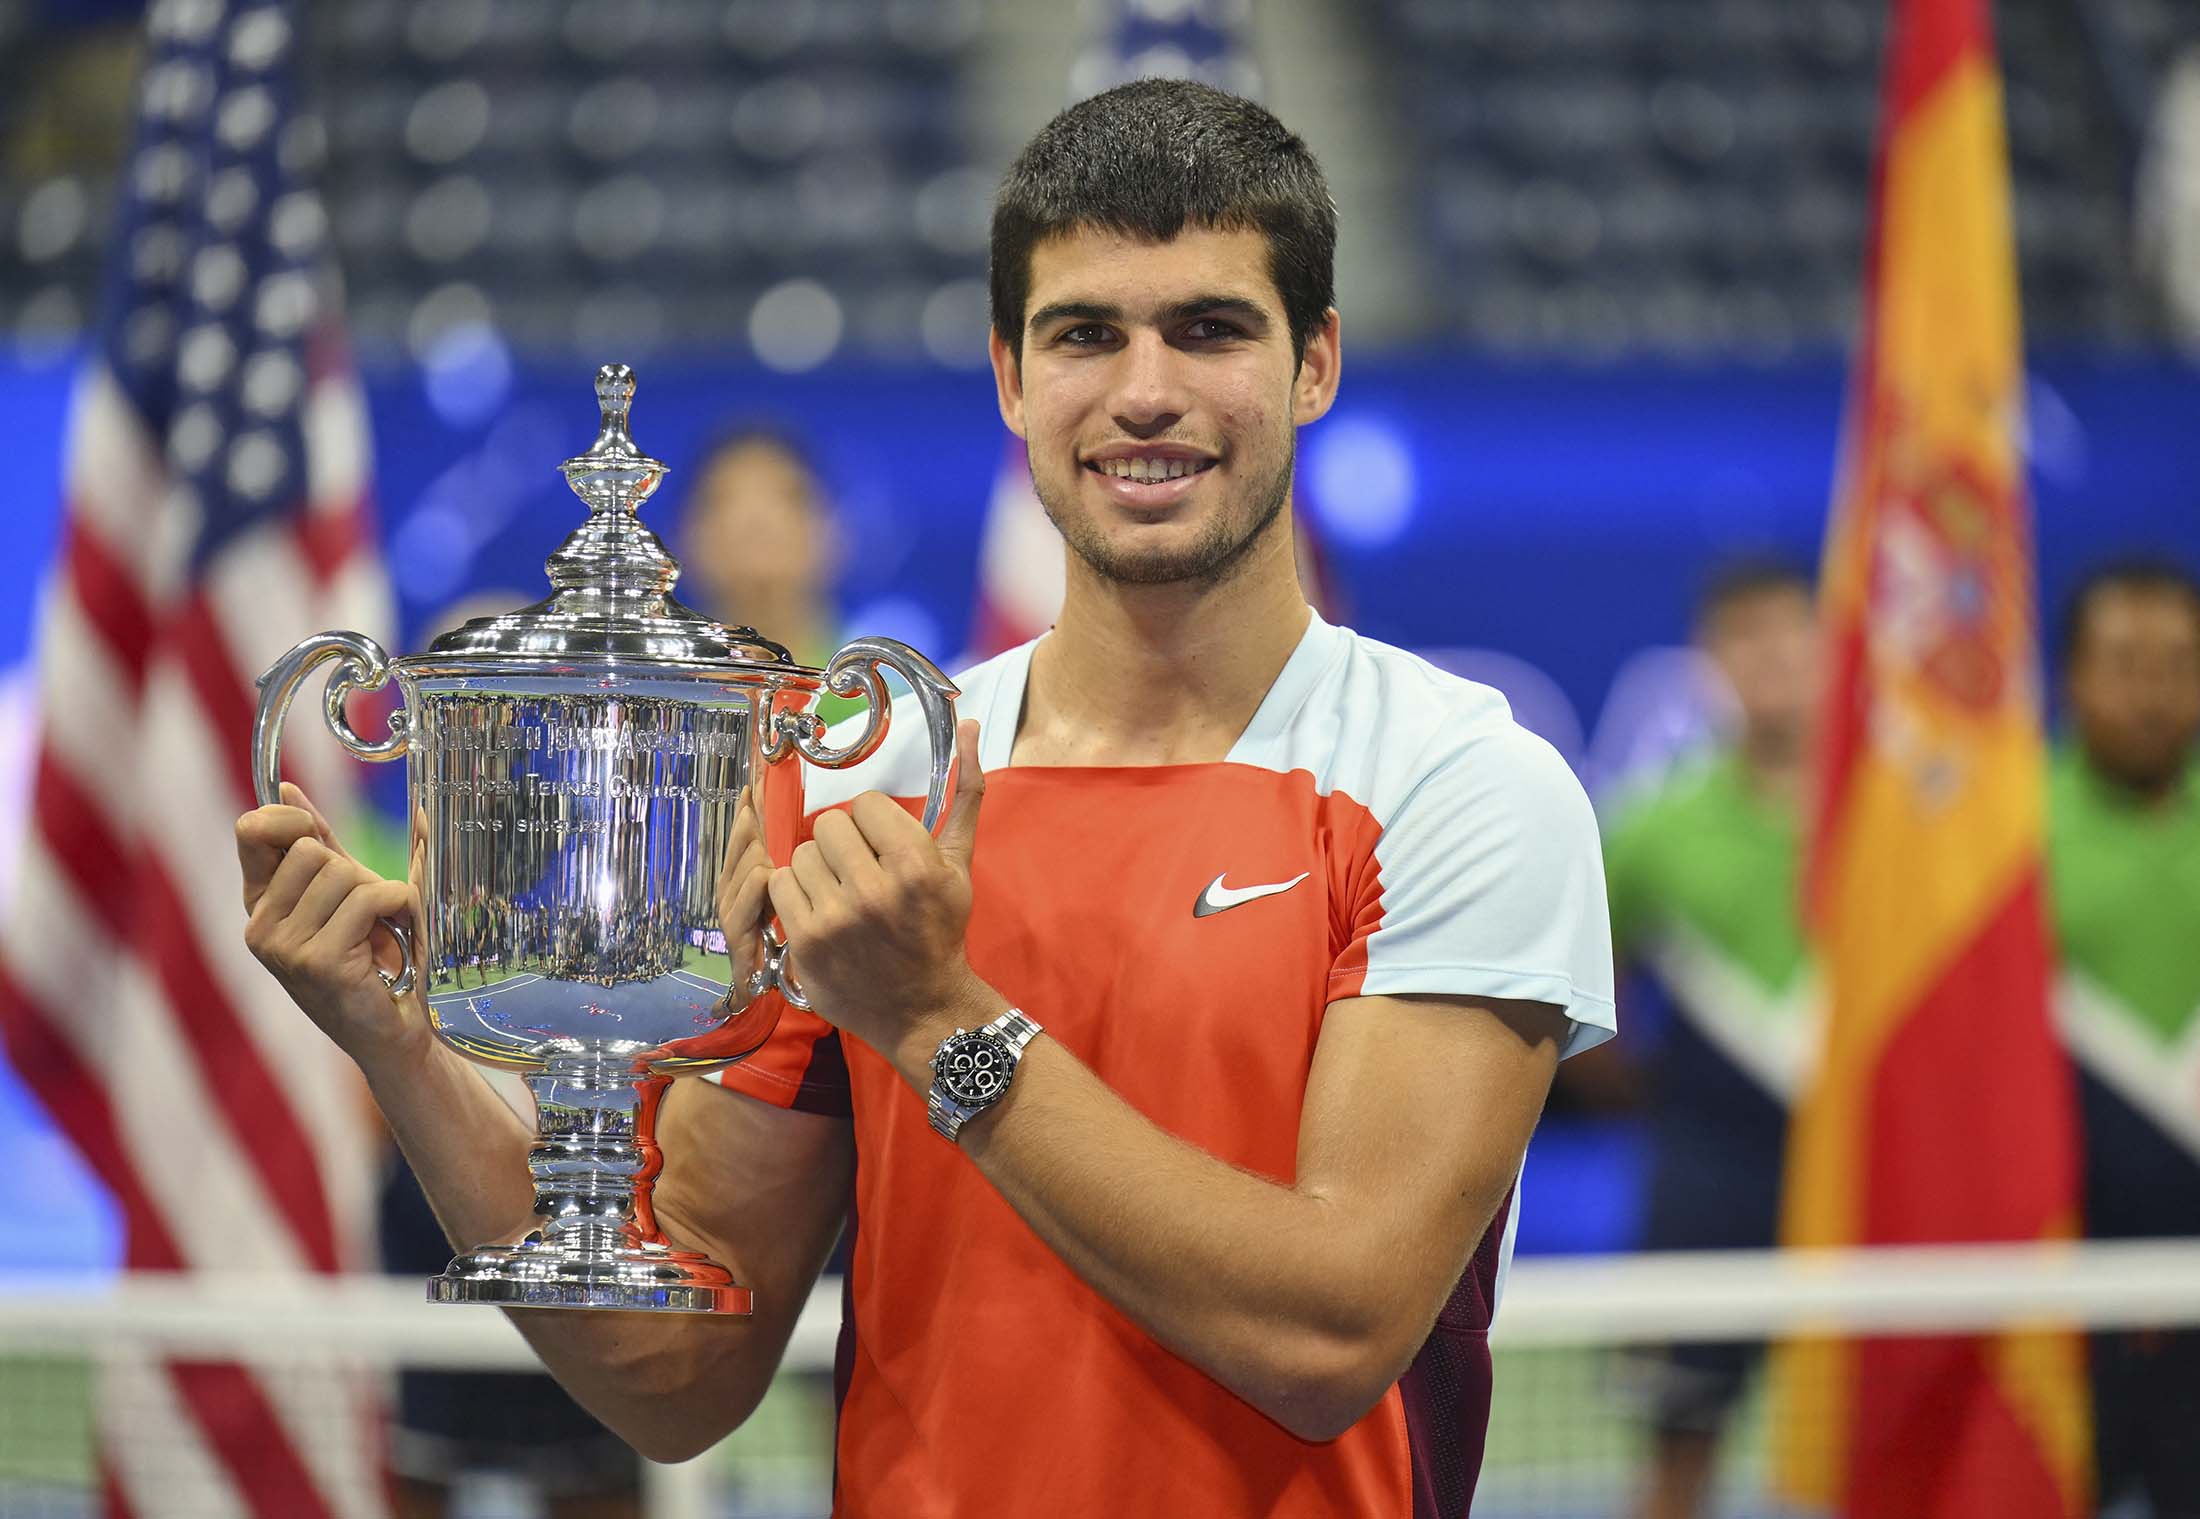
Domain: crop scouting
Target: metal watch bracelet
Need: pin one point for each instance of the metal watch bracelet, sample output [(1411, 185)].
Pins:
[(949, 1112)]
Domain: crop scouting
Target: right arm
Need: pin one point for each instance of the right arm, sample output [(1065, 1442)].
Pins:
[(761, 1190)]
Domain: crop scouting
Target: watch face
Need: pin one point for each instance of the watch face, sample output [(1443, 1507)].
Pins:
[(973, 1068)]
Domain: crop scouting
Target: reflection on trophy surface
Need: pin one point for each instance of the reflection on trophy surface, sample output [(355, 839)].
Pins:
[(574, 777)]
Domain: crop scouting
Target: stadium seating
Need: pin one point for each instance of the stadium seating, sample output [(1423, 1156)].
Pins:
[(1602, 177), (1690, 175)]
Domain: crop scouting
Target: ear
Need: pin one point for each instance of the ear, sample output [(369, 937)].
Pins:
[(1315, 385), (1008, 380)]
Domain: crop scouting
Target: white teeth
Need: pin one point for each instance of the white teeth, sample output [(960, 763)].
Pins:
[(1149, 471)]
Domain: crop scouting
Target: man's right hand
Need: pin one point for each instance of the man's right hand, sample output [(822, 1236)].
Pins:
[(313, 911)]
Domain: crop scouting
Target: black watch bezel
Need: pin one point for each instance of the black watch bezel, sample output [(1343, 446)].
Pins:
[(972, 1067)]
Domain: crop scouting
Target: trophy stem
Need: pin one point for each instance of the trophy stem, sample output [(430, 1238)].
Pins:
[(594, 1160), (595, 1155)]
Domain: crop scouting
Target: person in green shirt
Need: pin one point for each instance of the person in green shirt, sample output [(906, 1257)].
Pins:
[(1702, 881), (2123, 854)]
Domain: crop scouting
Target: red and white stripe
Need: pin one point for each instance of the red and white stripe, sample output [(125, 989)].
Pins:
[(232, 1135), (1021, 569)]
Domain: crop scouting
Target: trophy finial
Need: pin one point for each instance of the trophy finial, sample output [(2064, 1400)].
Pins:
[(615, 393), (614, 444), (612, 551), (614, 474)]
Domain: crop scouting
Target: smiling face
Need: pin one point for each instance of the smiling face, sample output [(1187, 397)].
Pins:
[(1160, 400)]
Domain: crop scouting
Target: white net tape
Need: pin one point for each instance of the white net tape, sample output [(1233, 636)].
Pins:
[(1565, 1437)]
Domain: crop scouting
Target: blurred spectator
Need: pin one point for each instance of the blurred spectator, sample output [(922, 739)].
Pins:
[(2124, 869), (759, 547), (1703, 895)]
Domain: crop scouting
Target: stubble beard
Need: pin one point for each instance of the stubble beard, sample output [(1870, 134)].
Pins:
[(1212, 558)]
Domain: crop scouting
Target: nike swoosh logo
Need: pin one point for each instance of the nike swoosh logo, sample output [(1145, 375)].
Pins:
[(1220, 898)]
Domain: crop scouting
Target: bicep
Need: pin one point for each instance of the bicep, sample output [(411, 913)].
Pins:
[(1417, 1113), (762, 1190)]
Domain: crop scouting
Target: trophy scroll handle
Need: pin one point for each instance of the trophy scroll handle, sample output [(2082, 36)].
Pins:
[(854, 671), (365, 667)]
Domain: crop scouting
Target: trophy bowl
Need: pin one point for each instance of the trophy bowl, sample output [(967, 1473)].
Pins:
[(573, 771)]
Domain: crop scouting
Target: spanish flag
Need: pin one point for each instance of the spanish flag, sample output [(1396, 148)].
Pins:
[(1944, 1109)]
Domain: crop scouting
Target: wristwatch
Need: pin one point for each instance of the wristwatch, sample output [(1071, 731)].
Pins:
[(971, 1070)]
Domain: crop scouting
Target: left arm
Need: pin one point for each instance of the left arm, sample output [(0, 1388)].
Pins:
[(1305, 1297), (1309, 1297)]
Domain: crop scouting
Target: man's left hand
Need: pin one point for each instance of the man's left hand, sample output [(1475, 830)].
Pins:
[(875, 909)]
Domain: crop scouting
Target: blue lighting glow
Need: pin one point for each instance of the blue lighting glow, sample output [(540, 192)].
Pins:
[(1362, 481), (903, 618), (467, 374)]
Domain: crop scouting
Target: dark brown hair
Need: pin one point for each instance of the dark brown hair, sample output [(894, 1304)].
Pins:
[(1146, 160)]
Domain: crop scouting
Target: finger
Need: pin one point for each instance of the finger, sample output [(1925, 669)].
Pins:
[(741, 839), (292, 877), (352, 923), (790, 901), (741, 894), (264, 837), (959, 835), (744, 853), (846, 849), (744, 907), (811, 868), (295, 795), (887, 827), (327, 891)]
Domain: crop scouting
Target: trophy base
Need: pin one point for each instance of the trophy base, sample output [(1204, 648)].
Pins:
[(531, 1274)]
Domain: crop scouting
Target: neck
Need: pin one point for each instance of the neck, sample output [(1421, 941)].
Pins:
[(1774, 765), (2144, 791), (1161, 674)]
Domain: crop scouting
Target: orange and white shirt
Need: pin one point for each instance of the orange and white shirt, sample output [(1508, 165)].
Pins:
[(1381, 827)]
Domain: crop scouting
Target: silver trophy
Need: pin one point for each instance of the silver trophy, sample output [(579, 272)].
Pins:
[(574, 771)]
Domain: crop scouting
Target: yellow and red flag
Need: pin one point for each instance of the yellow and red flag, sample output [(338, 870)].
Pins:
[(1944, 1109)]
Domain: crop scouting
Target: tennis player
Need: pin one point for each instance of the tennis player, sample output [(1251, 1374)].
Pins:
[(1182, 1085)]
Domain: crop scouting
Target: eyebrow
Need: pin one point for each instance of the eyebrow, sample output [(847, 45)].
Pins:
[(1237, 307)]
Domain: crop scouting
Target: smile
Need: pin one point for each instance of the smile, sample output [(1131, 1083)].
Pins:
[(1149, 471)]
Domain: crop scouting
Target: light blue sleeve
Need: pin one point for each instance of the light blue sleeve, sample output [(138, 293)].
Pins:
[(1490, 882)]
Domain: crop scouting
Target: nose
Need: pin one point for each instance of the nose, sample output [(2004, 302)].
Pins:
[(1147, 397)]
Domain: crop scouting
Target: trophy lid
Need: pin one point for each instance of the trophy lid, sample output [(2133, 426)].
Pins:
[(611, 599)]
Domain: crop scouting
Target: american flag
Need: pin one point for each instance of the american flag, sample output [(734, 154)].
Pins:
[(217, 511)]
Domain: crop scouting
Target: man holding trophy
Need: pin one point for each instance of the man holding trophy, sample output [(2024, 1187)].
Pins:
[(1181, 1084)]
